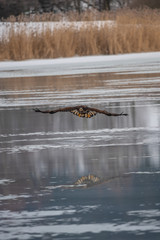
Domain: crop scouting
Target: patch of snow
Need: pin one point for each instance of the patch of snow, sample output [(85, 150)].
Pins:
[(38, 27), (122, 63)]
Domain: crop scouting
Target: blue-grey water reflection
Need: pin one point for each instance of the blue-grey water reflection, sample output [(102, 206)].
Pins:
[(42, 156)]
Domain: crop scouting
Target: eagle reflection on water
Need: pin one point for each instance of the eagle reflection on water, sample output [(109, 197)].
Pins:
[(87, 182)]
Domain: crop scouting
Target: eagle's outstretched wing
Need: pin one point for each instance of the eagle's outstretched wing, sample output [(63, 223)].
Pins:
[(66, 109), (107, 113), (81, 111)]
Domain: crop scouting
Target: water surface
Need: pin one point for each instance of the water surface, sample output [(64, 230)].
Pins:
[(42, 156)]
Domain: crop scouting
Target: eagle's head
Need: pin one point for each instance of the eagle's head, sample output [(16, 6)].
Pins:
[(81, 109)]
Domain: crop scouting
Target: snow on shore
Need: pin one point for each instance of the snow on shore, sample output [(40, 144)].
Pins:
[(126, 63), (38, 27)]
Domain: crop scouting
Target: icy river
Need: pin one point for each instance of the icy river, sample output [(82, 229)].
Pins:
[(65, 177)]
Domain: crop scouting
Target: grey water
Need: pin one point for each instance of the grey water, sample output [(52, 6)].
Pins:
[(43, 155)]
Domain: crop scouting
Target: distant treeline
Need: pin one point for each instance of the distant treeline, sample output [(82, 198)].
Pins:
[(17, 7)]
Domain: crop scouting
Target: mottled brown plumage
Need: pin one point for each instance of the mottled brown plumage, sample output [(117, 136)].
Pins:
[(81, 111)]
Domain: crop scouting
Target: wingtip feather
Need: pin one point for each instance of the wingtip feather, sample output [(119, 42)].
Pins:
[(124, 114), (36, 109)]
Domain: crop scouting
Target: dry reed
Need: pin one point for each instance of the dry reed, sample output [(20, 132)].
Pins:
[(132, 32)]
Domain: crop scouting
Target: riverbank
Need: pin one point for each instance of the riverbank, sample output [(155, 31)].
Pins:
[(135, 63), (130, 32)]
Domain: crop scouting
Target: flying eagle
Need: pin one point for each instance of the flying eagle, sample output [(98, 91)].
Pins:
[(81, 111)]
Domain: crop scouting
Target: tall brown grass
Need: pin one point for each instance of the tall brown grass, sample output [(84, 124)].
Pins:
[(133, 31)]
